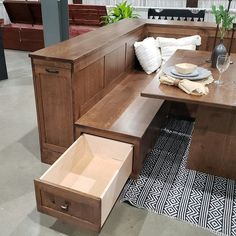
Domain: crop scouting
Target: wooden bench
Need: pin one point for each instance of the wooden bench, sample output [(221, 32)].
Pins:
[(92, 119), (87, 69), (126, 116)]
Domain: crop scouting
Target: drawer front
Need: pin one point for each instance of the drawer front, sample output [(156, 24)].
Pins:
[(83, 185), (53, 71), (69, 206), (52, 63)]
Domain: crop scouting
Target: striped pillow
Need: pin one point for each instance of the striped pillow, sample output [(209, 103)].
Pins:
[(148, 55)]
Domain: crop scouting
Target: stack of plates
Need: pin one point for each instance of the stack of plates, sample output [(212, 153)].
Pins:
[(198, 74)]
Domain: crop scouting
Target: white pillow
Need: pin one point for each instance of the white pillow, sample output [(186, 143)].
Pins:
[(190, 40), (168, 46), (167, 52), (148, 54)]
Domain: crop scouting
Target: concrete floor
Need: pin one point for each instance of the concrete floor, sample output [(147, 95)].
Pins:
[(20, 164)]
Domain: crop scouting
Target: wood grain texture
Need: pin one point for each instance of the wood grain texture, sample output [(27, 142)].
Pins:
[(50, 198), (125, 116), (73, 188), (54, 113), (213, 143), (191, 3), (114, 64), (86, 14), (97, 63), (82, 45), (219, 96)]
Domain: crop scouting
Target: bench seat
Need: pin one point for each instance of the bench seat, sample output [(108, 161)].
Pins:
[(125, 116)]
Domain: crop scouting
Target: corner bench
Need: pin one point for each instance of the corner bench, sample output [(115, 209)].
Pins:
[(94, 126), (125, 116)]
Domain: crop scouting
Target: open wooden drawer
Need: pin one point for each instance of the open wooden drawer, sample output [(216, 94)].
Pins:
[(84, 183)]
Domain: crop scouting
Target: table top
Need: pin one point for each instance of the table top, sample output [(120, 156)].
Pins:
[(223, 96)]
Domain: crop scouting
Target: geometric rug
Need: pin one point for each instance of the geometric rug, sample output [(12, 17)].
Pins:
[(166, 187)]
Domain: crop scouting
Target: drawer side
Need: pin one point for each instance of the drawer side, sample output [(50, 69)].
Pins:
[(115, 186)]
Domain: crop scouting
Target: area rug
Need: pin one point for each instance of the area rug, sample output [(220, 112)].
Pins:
[(166, 187)]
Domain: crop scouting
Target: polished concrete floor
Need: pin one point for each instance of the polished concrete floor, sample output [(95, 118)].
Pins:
[(20, 164)]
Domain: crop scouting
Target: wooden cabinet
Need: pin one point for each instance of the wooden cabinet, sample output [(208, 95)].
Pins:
[(84, 183), (54, 104)]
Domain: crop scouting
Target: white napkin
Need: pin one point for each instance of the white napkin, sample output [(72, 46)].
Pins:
[(198, 88)]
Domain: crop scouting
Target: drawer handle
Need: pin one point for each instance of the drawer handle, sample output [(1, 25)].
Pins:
[(65, 207), (53, 71)]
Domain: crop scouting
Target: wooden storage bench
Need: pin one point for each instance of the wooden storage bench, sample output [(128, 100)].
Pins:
[(126, 116), (74, 188), (91, 115)]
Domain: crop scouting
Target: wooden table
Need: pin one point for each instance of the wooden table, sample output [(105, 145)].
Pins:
[(213, 146)]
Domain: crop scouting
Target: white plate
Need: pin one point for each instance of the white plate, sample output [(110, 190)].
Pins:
[(202, 73), (193, 74)]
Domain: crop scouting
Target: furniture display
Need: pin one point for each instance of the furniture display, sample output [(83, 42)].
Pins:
[(176, 14), (26, 31), (88, 99), (213, 142)]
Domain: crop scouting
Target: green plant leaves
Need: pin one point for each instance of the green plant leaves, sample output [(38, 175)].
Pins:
[(223, 19), (121, 11)]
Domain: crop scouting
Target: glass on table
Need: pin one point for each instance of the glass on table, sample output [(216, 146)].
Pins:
[(222, 65)]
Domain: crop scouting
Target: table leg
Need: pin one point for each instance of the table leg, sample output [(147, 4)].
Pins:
[(213, 146)]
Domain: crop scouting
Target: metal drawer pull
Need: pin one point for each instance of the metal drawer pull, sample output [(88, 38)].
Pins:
[(53, 71), (65, 207)]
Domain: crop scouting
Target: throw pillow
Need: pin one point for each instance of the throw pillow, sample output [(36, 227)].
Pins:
[(168, 46), (148, 55)]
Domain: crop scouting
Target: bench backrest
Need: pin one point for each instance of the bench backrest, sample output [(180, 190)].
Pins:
[(176, 14), (80, 14)]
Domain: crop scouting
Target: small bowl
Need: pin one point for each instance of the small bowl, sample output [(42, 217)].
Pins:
[(185, 68)]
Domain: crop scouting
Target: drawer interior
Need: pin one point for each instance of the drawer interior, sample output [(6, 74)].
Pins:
[(89, 165)]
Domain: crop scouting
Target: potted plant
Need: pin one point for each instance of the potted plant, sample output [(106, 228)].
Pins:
[(121, 11), (224, 23)]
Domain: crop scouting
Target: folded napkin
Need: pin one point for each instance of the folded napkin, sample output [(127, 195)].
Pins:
[(197, 88)]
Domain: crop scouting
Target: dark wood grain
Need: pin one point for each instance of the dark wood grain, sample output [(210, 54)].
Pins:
[(191, 3), (97, 62), (213, 143), (125, 116), (219, 96), (84, 210), (54, 113)]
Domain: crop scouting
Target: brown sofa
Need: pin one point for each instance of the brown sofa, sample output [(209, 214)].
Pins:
[(26, 30)]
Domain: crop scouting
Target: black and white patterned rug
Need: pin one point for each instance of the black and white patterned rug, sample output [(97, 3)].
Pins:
[(166, 187)]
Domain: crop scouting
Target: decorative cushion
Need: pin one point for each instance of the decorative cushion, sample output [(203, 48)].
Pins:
[(168, 46), (148, 55)]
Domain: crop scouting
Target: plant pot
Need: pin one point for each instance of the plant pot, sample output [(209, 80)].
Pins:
[(220, 49)]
